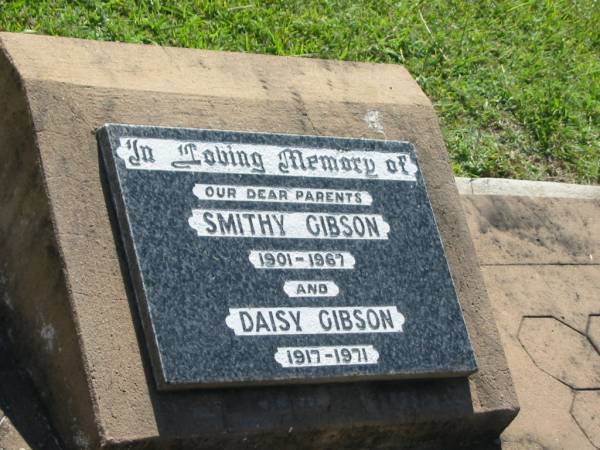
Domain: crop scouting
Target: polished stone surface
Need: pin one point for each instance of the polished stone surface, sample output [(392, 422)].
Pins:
[(393, 315)]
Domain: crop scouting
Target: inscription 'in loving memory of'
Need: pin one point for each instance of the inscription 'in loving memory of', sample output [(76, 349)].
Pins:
[(216, 157), (273, 160)]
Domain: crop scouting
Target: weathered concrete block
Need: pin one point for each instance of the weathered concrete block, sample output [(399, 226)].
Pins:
[(66, 284), (537, 257)]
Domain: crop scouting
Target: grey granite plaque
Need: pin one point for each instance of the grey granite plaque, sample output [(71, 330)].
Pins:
[(263, 259)]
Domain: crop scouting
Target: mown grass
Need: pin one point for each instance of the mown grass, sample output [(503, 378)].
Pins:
[(516, 83)]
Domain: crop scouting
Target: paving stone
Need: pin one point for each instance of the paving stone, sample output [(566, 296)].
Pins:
[(593, 330), (586, 411), (525, 230), (561, 351), (567, 292), (522, 281)]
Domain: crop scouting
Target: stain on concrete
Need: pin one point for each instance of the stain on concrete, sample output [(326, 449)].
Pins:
[(374, 120), (526, 220), (48, 334)]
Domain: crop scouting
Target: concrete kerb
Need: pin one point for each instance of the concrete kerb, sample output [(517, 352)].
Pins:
[(525, 188)]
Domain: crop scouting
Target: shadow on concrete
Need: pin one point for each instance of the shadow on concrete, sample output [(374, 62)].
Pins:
[(23, 420)]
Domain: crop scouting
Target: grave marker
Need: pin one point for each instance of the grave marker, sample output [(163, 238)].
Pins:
[(264, 258), (257, 268)]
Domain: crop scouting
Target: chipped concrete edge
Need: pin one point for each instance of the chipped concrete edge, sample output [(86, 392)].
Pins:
[(524, 188)]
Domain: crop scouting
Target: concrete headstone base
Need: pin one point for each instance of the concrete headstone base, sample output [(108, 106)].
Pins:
[(65, 282)]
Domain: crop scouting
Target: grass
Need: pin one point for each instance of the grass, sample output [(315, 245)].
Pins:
[(516, 83)]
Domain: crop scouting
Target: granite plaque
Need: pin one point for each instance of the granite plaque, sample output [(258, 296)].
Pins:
[(265, 259)]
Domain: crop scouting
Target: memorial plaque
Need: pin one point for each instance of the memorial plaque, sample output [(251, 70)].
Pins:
[(264, 259)]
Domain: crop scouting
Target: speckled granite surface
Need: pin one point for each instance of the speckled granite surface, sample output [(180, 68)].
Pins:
[(187, 285)]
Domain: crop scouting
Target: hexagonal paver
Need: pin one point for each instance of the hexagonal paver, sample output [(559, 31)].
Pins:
[(561, 351), (593, 331), (586, 412)]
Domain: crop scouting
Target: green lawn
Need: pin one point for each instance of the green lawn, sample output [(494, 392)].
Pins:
[(516, 83)]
